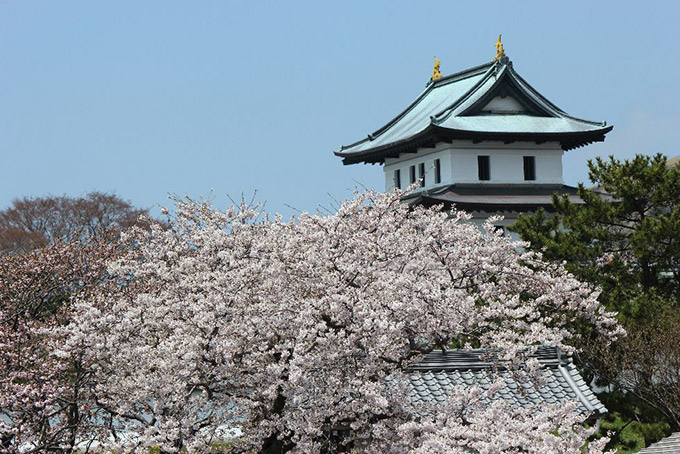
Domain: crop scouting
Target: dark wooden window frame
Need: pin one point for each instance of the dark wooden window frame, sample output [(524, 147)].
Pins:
[(529, 168), (484, 167)]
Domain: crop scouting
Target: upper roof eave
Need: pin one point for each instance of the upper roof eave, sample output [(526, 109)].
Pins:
[(434, 134)]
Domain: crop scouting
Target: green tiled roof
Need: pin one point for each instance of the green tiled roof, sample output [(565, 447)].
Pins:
[(453, 107)]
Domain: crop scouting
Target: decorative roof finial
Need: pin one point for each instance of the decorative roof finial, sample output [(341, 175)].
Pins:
[(435, 73), (499, 49)]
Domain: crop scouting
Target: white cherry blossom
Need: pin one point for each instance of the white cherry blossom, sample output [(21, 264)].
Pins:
[(288, 330)]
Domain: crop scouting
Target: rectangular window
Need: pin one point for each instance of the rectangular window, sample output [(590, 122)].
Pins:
[(529, 167), (437, 171), (397, 179), (483, 168), (412, 174), (421, 174)]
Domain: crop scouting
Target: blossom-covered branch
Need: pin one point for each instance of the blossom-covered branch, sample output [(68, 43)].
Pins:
[(285, 331)]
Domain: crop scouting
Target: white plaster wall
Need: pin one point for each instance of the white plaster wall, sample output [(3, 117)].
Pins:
[(507, 165), (426, 155), (459, 163)]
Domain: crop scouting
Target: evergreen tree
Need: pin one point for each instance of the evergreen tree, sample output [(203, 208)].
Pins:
[(625, 237)]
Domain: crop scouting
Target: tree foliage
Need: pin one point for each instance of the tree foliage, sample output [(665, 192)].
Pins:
[(290, 330), (625, 238)]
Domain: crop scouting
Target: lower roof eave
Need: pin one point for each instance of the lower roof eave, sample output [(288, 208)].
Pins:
[(483, 207)]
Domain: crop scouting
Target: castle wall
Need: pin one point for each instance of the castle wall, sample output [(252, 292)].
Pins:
[(459, 163)]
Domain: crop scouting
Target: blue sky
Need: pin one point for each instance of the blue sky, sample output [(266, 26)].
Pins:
[(219, 99)]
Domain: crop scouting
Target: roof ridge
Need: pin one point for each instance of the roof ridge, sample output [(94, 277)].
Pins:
[(567, 373), (463, 359), (455, 77)]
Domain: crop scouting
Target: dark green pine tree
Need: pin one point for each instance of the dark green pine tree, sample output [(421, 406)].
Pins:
[(625, 238)]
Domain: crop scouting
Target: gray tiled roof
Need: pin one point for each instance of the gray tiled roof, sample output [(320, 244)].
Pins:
[(669, 445), (451, 108), (672, 162), (433, 379)]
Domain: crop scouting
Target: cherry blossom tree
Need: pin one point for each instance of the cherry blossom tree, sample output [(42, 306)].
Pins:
[(287, 331), (45, 404)]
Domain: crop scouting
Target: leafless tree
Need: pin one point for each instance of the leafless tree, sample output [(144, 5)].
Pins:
[(33, 222), (651, 365)]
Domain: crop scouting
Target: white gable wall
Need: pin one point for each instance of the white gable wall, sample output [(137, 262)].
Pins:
[(459, 163), (502, 105)]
